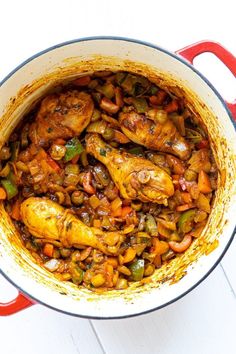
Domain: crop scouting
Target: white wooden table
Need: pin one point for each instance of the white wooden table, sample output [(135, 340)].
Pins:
[(204, 321)]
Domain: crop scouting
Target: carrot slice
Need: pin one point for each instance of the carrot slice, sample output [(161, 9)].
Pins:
[(126, 211), (3, 194), (184, 207), (15, 211), (48, 249)]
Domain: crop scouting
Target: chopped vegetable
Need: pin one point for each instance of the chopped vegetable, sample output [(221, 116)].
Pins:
[(72, 176), (190, 175), (193, 135), (151, 226), (10, 186), (204, 183), (5, 171), (53, 164), (77, 273), (149, 270), (200, 161), (158, 115), (15, 211), (94, 201), (15, 148), (110, 120), (185, 222), (121, 284), (138, 150), (73, 148), (107, 90), (116, 204), (126, 211), (52, 265), (3, 194), (159, 247), (108, 134), (175, 164), (98, 280), (48, 249), (203, 203), (159, 98), (140, 105), (129, 255), (96, 115), (137, 270), (173, 106), (97, 127)]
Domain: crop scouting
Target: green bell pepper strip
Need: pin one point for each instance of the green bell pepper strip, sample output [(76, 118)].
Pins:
[(138, 150), (10, 187), (186, 220), (77, 274), (15, 148), (73, 148), (137, 270), (151, 225)]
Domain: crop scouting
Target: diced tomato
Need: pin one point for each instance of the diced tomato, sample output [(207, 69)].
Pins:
[(172, 106), (203, 144)]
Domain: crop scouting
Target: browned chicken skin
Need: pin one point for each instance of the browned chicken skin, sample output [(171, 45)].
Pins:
[(135, 177), (163, 137), (47, 219), (61, 115)]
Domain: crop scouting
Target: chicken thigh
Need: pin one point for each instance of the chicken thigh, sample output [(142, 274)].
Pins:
[(61, 115)]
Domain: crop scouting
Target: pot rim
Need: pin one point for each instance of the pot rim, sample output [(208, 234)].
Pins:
[(182, 60)]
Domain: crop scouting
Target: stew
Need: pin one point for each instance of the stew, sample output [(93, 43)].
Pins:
[(108, 178)]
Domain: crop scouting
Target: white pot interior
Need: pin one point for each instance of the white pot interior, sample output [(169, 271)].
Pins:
[(29, 82)]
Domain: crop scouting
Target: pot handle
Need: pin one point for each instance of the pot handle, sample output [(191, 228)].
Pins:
[(193, 50), (21, 302)]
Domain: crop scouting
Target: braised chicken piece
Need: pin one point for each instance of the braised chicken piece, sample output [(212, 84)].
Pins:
[(153, 135), (47, 219), (135, 177), (61, 115)]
